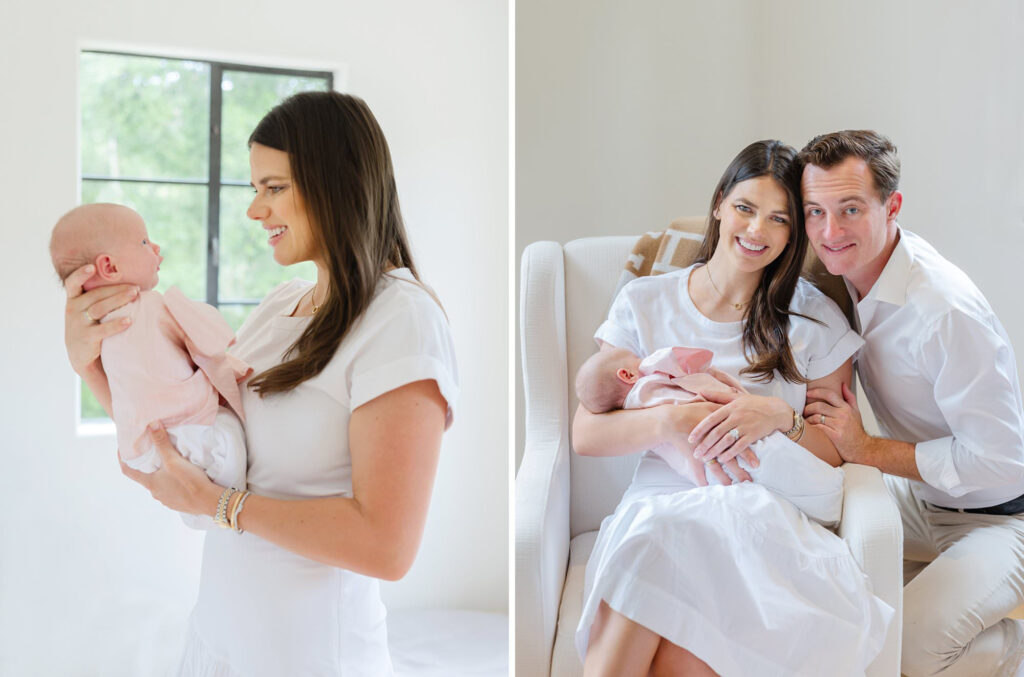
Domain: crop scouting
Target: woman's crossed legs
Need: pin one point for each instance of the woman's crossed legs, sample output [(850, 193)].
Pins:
[(620, 646)]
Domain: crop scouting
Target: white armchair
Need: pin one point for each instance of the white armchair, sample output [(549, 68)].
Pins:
[(561, 497)]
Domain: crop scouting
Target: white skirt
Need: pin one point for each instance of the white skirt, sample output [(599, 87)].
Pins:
[(198, 661), (263, 611), (739, 577)]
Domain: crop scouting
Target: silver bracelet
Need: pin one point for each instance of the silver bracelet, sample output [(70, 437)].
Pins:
[(238, 511)]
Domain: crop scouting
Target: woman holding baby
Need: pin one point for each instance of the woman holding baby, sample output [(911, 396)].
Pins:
[(729, 579), (353, 384)]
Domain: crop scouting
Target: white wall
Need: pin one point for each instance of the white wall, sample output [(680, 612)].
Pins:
[(78, 542), (626, 114)]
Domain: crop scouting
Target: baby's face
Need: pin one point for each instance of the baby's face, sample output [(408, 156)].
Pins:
[(136, 256)]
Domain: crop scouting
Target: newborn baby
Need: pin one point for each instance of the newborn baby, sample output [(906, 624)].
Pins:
[(618, 379), (170, 364)]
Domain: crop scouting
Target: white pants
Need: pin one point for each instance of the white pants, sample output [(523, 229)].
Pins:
[(219, 449), (963, 573)]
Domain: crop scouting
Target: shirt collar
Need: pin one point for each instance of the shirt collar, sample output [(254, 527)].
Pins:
[(891, 285)]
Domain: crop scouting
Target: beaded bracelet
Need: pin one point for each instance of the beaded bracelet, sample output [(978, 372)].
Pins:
[(220, 519), (238, 511)]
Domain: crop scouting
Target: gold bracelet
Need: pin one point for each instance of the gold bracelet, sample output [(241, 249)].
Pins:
[(232, 505), (238, 511), (221, 519)]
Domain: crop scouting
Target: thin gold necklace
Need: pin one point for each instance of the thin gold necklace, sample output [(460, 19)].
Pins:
[(312, 298), (707, 267)]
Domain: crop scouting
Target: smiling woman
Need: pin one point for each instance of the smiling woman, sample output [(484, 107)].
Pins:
[(758, 203), (354, 382)]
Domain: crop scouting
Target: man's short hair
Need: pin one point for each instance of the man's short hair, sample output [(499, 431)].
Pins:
[(828, 150)]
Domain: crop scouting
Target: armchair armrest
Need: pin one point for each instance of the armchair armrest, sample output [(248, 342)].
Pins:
[(542, 485), (872, 527)]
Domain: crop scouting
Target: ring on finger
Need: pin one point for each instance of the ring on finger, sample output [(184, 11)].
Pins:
[(89, 317), (734, 434), (711, 461), (822, 421)]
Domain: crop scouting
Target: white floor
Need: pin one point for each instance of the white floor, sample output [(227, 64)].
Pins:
[(448, 643)]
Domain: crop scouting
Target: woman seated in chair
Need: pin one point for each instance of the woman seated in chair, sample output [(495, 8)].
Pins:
[(729, 579)]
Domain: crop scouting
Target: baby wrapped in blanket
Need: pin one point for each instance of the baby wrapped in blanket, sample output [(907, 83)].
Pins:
[(170, 364), (618, 379)]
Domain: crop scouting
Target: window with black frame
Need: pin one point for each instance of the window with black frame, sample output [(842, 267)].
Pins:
[(167, 137)]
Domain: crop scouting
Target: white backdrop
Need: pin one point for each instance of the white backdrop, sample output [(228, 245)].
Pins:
[(627, 113), (94, 575)]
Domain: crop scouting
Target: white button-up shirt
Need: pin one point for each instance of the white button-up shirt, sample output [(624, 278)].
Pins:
[(939, 372)]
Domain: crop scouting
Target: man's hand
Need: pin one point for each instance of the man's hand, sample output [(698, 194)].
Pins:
[(840, 419)]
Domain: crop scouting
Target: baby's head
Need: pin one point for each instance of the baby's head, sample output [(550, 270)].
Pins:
[(111, 237), (604, 380)]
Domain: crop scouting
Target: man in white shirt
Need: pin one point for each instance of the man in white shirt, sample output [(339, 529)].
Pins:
[(941, 377)]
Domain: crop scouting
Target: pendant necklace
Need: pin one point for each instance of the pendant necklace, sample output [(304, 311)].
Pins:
[(707, 267)]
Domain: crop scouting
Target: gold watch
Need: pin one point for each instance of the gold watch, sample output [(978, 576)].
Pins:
[(797, 431)]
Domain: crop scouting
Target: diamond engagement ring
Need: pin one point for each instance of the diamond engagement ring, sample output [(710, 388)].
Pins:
[(734, 434)]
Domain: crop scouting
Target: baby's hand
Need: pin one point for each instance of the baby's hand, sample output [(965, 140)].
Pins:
[(727, 379)]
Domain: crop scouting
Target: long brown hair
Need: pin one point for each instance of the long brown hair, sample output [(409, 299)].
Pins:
[(341, 166), (766, 322)]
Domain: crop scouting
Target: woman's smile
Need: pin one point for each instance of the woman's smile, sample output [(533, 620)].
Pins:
[(275, 234), (750, 248)]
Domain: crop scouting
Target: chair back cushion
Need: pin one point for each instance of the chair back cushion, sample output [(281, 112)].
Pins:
[(593, 268)]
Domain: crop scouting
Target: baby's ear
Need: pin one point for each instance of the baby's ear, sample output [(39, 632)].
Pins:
[(106, 268), (626, 375)]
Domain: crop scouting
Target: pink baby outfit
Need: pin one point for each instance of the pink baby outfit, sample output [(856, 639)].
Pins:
[(170, 365), (678, 376)]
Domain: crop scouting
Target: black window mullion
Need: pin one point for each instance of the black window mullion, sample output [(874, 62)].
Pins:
[(133, 179), (213, 182), (213, 197), (182, 182)]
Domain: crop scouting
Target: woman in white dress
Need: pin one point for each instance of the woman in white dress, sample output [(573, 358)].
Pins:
[(731, 579), (353, 385)]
